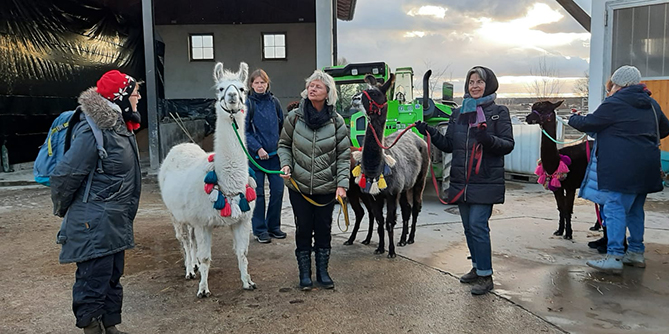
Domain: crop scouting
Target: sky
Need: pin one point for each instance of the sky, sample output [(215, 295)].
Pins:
[(514, 38)]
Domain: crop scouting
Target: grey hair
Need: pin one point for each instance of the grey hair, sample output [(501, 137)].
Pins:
[(477, 70), (329, 85)]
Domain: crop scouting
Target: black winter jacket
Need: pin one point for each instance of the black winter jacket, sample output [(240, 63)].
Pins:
[(486, 187)]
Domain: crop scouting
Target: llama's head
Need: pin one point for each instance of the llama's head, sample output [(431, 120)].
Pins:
[(373, 99), (230, 89), (543, 113)]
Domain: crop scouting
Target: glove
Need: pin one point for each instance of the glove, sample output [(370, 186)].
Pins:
[(482, 136), (422, 127)]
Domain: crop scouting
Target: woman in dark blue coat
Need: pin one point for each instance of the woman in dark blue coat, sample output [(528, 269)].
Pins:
[(479, 134), (628, 126), (264, 121), (96, 190)]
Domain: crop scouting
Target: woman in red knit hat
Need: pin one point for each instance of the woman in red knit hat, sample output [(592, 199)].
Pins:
[(96, 189)]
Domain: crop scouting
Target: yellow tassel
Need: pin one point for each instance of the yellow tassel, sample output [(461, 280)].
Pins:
[(382, 182), (357, 171)]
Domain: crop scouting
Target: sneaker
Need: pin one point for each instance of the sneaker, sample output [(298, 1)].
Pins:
[(263, 238), (278, 234), (634, 259), (483, 285), (469, 277), (610, 264)]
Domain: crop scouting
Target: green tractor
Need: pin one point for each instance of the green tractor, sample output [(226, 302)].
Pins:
[(403, 108)]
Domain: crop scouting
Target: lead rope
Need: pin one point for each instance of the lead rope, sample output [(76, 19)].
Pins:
[(342, 202)]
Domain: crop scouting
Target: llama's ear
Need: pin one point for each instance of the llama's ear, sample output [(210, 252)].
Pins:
[(243, 71), (386, 86), (218, 72), (557, 104), (370, 80)]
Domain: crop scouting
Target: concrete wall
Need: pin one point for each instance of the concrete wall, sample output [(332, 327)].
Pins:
[(235, 43)]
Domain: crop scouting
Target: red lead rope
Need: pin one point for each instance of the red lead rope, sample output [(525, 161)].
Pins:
[(477, 152)]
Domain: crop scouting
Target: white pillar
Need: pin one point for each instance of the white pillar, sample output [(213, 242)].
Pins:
[(324, 43), (598, 49)]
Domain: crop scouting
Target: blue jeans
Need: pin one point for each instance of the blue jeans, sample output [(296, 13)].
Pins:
[(624, 211), (272, 222), (477, 232)]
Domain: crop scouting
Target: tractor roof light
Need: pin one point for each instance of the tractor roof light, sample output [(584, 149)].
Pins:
[(354, 71), (375, 70)]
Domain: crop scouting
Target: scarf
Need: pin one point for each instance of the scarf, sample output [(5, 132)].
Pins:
[(314, 118), (471, 105)]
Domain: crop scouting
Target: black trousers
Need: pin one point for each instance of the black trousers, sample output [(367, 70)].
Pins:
[(97, 291), (312, 220)]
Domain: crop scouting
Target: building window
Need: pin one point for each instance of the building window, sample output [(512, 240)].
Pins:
[(640, 38), (274, 46), (201, 47)]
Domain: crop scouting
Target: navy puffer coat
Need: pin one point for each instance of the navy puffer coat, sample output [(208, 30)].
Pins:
[(628, 158)]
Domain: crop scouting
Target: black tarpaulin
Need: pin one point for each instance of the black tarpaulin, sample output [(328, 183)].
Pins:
[(51, 51)]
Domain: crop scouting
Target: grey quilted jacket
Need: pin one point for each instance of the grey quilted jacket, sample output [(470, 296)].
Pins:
[(319, 159), (99, 221)]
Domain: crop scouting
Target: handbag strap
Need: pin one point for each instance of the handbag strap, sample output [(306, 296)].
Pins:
[(657, 124)]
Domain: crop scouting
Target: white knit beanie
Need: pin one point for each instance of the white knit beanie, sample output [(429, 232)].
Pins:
[(626, 76)]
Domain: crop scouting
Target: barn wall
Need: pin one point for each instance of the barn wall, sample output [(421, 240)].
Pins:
[(660, 89), (185, 79)]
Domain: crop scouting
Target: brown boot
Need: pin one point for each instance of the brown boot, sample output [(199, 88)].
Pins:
[(113, 330), (95, 327), (483, 285)]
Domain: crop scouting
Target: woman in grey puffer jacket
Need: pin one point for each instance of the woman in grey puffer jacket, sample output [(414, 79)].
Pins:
[(97, 191), (314, 147)]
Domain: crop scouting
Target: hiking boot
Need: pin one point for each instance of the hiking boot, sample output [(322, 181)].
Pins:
[(610, 264), (278, 234), (113, 330), (469, 277), (634, 259), (483, 285), (263, 238), (95, 327)]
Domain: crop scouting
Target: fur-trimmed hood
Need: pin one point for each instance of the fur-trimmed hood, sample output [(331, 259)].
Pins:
[(104, 113)]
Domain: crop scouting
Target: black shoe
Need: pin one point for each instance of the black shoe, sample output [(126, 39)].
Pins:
[(322, 276), (113, 330), (469, 277), (304, 265), (278, 234), (483, 285), (595, 227), (263, 238), (95, 327)]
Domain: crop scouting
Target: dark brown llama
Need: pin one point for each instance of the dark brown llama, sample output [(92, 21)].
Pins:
[(388, 174), (543, 113), (355, 196)]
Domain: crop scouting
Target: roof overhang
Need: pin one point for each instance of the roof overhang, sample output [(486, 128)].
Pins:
[(345, 9)]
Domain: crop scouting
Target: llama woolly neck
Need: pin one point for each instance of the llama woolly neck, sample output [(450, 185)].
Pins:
[(549, 152), (231, 162)]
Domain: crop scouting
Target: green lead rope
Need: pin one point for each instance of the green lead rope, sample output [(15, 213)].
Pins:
[(234, 126)]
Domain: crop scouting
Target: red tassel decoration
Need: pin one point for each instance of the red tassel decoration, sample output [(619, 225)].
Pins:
[(227, 210), (211, 157), (208, 187), (363, 181), (250, 194)]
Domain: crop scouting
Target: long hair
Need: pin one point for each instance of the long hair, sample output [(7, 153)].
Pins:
[(329, 85)]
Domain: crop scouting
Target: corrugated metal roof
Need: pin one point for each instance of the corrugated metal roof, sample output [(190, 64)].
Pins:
[(345, 9)]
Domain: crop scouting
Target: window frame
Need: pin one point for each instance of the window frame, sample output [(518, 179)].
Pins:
[(285, 46), (190, 47)]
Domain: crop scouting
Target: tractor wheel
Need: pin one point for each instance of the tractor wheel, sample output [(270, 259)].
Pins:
[(445, 183)]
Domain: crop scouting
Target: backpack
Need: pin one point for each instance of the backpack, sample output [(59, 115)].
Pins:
[(57, 143)]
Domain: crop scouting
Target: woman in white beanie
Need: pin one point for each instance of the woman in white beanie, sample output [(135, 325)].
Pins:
[(624, 167)]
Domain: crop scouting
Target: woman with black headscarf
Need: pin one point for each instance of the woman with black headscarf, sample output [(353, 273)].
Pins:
[(479, 134)]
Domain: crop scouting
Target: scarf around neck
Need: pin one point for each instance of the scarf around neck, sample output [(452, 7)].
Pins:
[(471, 105), (314, 118)]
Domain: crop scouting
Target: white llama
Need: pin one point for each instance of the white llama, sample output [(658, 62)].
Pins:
[(186, 196)]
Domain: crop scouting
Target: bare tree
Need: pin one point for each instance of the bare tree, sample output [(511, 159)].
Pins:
[(546, 85), (581, 85), (436, 80), (342, 61)]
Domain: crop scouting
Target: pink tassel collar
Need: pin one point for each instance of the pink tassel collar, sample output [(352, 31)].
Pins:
[(553, 181)]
